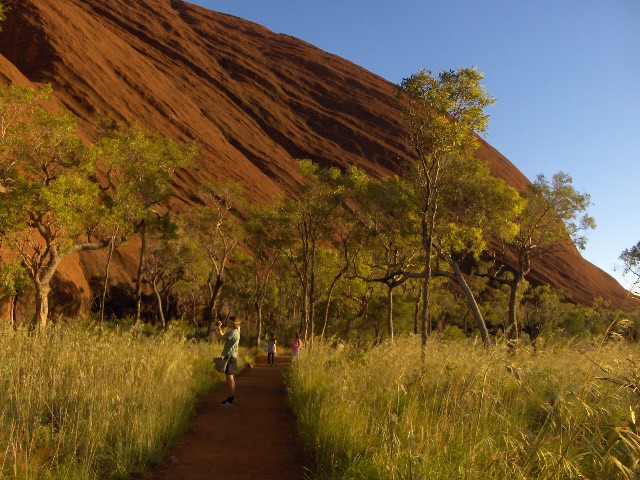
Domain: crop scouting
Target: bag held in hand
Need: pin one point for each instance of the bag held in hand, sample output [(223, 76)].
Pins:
[(221, 363)]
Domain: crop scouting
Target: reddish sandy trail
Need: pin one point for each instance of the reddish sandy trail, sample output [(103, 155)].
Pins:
[(254, 439)]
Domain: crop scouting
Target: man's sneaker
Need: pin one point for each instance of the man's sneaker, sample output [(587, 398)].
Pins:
[(229, 401)]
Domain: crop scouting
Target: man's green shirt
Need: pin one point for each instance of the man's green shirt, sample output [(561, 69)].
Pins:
[(231, 345)]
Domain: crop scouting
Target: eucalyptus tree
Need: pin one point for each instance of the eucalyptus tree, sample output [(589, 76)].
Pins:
[(191, 284), (338, 259), (442, 114), (486, 209), (13, 281), (16, 105), (631, 259), (140, 164), (50, 205), (173, 256), (216, 230), (385, 211), (117, 229), (306, 221), (266, 245), (554, 218), (545, 309)]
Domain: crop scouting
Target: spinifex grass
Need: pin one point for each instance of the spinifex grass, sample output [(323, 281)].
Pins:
[(80, 404), (469, 413)]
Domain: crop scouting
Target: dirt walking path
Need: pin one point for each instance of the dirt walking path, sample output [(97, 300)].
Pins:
[(254, 439)]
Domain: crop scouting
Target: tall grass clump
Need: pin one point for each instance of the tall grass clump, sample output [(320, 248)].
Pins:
[(78, 403), (559, 412)]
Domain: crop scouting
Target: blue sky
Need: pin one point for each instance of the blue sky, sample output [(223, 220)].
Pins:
[(565, 73)]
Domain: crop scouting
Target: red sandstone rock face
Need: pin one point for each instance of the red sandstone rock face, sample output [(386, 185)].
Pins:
[(253, 100)]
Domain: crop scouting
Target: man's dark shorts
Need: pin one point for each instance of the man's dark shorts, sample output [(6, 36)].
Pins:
[(232, 366)]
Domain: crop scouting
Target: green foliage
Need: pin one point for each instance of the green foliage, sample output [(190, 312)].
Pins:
[(555, 210), (631, 259), (386, 211), (13, 278), (304, 223), (544, 310), (444, 111), (486, 207), (48, 191), (142, 163)]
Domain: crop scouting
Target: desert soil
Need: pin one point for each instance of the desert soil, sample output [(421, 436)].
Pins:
[(254, 439)]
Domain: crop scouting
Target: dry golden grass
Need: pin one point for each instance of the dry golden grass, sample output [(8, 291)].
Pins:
[(83, 404), (558, 412)]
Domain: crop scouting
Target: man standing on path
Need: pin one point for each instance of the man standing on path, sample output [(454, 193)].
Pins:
[(230, 351)]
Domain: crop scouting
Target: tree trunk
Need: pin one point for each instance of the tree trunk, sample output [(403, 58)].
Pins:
[(416, 311), (304, 320), (326, 309), (12, 310), (42, 304), (213, 302), (513, 329), (156, 292), (193, 317), (138, 292), (339, 275), (312, 294), (390, 312), (459, 278), (258, 306), (426, 324), (103, 299)]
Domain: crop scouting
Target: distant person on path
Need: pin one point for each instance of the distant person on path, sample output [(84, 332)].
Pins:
[(271, 349), (296, 345), (230, 351)]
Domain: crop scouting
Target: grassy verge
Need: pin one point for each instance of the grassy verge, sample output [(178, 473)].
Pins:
[(558, 412), (83, 404)]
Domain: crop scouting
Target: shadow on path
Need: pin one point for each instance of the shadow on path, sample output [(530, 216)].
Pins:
[(254, 439)]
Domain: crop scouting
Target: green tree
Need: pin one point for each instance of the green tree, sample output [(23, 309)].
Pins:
[(50, 198), (443, 114), (140, 164), (631, 259), (266, 245), (117, 229), (17, 105), (554, 218), (307, 221), (385, 210), (13, 280), (215, 229), (338, 258), (544, 310), (170, 253), (486, 208)]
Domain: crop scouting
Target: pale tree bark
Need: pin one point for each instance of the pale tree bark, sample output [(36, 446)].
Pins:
[(458, 277), (138, 290), (105, 288)]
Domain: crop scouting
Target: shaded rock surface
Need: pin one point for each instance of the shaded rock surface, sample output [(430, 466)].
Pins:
[(253, 100)]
